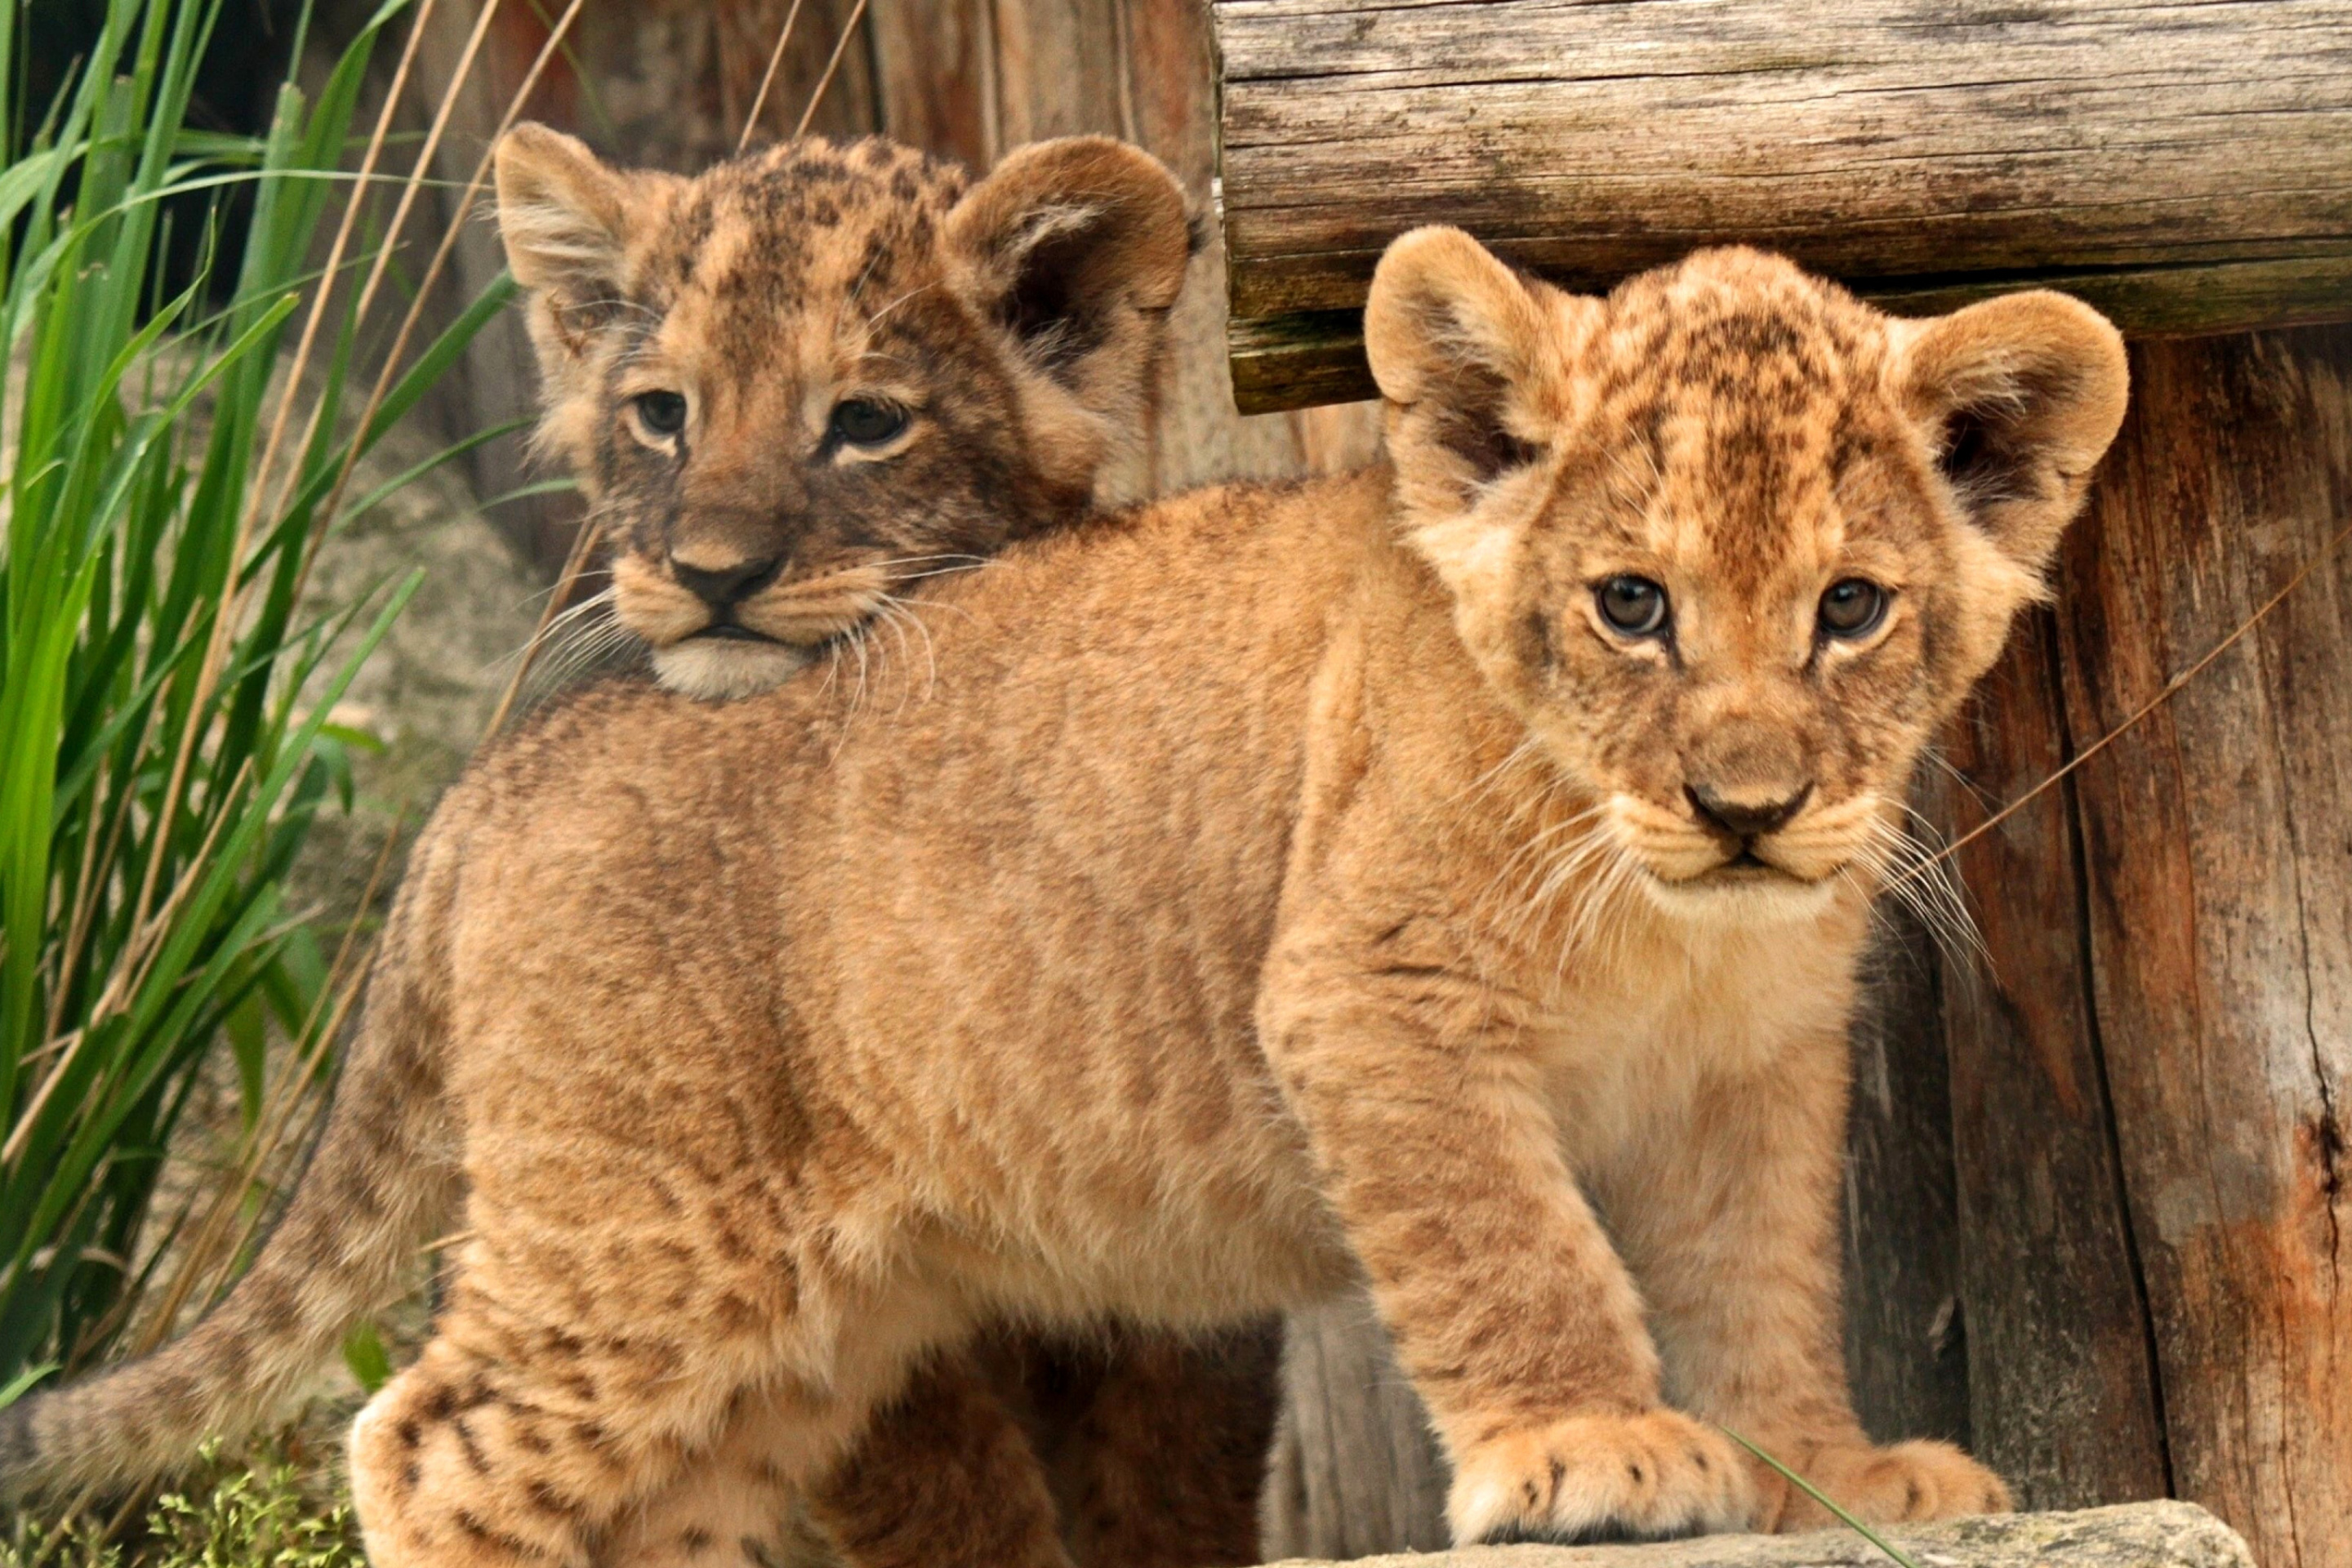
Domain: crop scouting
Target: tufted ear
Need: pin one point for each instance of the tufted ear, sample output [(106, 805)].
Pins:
[(1470, 357), (564, 217), (2020, 397), (1077, 247)]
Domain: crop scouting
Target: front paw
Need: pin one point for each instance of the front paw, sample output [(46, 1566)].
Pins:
[(1902, 1483), (1650, 1477)]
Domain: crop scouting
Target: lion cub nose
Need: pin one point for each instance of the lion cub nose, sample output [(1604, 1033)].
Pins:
[(721, 587), (1747, 818)]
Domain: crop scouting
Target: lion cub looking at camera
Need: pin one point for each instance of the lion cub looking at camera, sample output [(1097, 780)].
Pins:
[(799, 389), (1380, 879), (810, 377)]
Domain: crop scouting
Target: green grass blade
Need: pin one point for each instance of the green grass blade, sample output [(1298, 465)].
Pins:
[(1806, 1486)]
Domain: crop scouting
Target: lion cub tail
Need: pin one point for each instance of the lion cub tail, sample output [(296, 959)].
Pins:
[(381, 1176)]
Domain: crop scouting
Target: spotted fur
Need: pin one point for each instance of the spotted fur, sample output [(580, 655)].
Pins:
[(1284, 888), (1018, 320), (1013, 325)]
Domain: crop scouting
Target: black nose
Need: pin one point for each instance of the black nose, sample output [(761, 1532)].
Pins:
[(1745, 818), (722, 586)]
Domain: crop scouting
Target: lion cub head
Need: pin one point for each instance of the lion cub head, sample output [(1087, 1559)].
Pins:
[(1731, 542), (815, 374)]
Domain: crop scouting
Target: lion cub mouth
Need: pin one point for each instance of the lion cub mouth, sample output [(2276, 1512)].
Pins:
[(720, 664), (1749, 869)]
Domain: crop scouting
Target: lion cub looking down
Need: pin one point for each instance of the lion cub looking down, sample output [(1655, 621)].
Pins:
[(1381, 879)]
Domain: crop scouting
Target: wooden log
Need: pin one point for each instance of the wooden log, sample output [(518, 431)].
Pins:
[(1906, 1336), (2216, 921), (1356, 1469), (2064, 1392), (2186, 167), (2144, 1535)]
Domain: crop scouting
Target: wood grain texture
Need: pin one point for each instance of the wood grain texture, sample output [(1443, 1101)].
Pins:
[(935, 73), (2063, 1384), (2187, 166), (1906, 1343), (2217, 852), (1355, 1469)]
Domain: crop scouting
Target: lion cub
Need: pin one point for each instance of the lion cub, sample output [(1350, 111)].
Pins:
[(810, 377), (797, 389), (1381, 879)]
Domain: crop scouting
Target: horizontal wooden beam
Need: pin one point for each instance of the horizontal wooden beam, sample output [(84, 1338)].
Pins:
[(1315, 357), (2187, 167)]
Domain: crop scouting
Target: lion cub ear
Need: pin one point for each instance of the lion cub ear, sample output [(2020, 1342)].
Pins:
[(2019, 398), (564, 218), (1470, 357), (1077, 247)]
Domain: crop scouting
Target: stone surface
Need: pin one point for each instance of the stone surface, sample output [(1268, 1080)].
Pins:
[(2130, 1535)]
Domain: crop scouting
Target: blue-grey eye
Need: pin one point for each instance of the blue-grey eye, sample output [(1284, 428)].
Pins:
[(1633, 606), (862, 422), (1852, 607), (664, 413)]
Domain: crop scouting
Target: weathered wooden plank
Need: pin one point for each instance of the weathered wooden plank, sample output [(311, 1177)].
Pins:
[(2217, 842), (1903, 147), (1905, 1336), (1355, 1469), (2063, 1391), (1296, 361)]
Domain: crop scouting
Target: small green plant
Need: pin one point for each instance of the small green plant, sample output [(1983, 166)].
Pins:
[(254, 1515), (166, 477)]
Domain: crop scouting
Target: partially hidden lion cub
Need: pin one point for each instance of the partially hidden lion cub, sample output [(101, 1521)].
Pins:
[(808, 384), (1449, 877), (807, 380), (803, 387)]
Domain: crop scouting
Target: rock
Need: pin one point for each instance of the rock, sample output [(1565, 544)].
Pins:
[(2130, 1535)]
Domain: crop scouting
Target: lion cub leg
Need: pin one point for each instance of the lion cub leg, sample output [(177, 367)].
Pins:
[(1510, 1309), (733, 1505), (1154, 1442), (1162, 1465), (1735, 1245), (943, 1478), (515, 1441), (940, 1475)]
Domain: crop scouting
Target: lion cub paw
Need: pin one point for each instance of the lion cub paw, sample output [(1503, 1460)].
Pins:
[(1651, 1477), (1904, 1482)]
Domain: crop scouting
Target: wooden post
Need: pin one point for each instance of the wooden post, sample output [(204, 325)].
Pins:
[(2212, 913), (2063, 1384)]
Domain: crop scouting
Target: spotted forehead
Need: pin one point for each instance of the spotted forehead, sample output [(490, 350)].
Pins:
[(1742, 394), (802, 225)]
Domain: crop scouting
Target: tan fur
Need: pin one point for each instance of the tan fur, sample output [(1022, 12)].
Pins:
[(765, 287), (1017, 324), (1279, 887)]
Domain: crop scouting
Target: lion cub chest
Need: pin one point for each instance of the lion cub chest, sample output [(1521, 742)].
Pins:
[(1640, 1031)]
